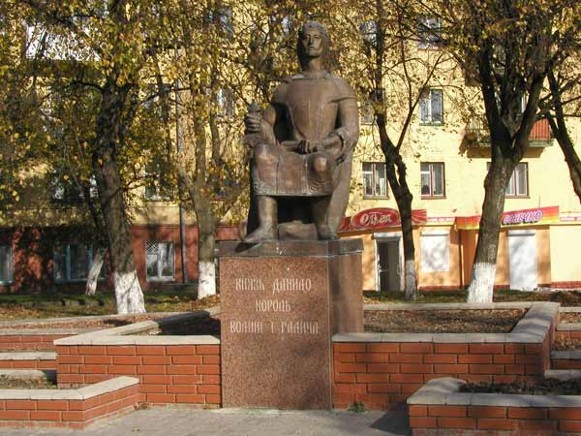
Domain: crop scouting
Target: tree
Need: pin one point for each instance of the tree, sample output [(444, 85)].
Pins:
[(106, 50), (391, 74), (211, 160), (564, 94), (509, 46)]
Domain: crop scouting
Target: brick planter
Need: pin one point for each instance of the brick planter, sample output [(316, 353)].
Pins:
[(381, 370), (439, 409), (73, 408), (171, 369)]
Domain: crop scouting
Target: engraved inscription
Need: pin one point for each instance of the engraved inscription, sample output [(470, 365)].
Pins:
[(249, 284), (268, 305), (291, 285), (299, 327), (256, 327)]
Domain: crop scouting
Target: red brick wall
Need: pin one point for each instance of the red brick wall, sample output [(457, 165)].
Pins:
[(486, 420), (67, 412), (381, 375), (167, 373), (29, 342)]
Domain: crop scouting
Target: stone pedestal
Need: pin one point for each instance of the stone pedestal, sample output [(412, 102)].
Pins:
[(281, 303)]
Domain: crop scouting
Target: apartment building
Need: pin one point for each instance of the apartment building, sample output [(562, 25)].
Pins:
[(446, 157)]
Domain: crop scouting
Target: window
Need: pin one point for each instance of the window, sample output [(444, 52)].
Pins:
[(431, 107), (429, 32), (374, 179), (222, 18), (518, 185), (368, 32), (432, 180), (435, 251), (159, 260), (73, 262), (285, 23), (64, 189), (225, 100), (157, 184), (5, 264), (367, 114)]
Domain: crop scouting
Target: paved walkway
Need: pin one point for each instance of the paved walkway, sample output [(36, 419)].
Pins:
[(172, 421)]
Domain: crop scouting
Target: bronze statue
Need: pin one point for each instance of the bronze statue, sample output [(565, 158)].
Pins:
[(302, 148)]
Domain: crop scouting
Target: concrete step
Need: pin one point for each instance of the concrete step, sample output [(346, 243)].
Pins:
[(28, 360), (563, 374), (566, 359)]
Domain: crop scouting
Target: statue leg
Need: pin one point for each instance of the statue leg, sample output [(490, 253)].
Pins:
[(267, 229), (320, 211)]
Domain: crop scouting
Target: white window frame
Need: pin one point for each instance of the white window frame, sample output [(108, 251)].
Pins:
[(59, 193), (149, 250), (431, 174), (68, 267), (153, 190), (435, 248), (429, 115), (7, 256), (429, 33), (516, 188), (372, 178)]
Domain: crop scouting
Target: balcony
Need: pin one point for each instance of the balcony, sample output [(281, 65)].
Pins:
[(477, 134)]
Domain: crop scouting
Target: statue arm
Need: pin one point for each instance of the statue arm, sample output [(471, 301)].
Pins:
[(348, 130), (261, 124), (267, 124)]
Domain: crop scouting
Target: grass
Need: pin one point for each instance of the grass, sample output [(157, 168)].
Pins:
[(57, 305), (566, 298)]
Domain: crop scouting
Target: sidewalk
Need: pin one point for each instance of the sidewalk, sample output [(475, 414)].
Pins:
[(171, 421)]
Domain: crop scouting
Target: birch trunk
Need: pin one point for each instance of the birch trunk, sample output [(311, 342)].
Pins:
[(105, 165), (481, 286)]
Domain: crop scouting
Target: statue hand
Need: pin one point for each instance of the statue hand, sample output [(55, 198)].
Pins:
[(253, 122), (307, 147)]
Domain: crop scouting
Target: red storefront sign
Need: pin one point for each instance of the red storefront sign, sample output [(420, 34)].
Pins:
[(539, 215), (378, 218)]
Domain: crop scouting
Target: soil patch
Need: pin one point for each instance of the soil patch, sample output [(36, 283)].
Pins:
[(376, 321), (442, 321), (570, 317), (12, 383), (562, 344), (545, 387), (85, 323)]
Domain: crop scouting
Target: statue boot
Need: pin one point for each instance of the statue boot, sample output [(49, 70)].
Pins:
[(267, 228), (320, 210)]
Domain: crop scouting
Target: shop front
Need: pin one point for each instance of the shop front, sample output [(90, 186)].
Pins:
[(538, 247)]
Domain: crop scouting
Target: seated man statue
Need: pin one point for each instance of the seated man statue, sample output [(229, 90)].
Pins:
[(302, 148)]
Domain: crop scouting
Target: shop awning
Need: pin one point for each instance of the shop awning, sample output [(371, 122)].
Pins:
[(378, 218), (536, 216)]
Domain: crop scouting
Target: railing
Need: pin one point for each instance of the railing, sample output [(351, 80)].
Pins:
[(477, 134)]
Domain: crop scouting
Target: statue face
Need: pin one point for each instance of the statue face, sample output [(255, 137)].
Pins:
[(312, 42)]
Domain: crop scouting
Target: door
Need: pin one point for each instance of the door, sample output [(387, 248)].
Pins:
[(388, 264), (522, 254)]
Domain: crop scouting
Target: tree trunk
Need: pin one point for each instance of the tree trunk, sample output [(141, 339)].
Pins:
[(397, 176), (92, 279), (206, 255), (559, 129), (128, 291), (484, 269), (571, 156), (403, 199)]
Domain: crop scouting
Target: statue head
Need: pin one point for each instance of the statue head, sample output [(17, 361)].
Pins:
[(313, 41)]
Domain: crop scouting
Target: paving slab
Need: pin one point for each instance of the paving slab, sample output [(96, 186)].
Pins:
[(174, 421)]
